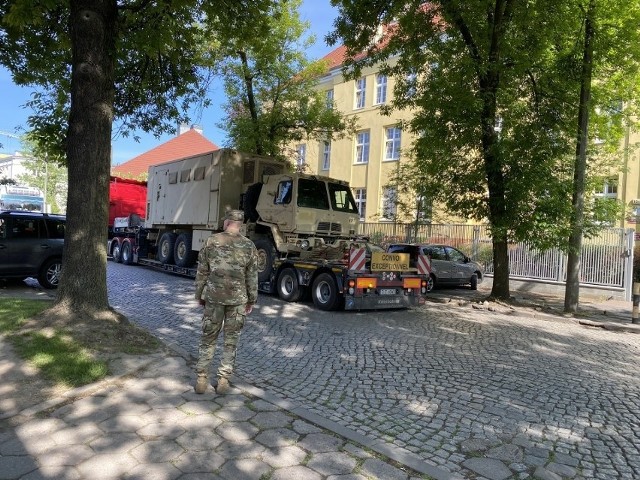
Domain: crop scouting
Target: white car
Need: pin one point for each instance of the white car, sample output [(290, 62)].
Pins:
[(449, 266)]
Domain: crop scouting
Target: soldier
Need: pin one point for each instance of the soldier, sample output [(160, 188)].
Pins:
[(227, 287)]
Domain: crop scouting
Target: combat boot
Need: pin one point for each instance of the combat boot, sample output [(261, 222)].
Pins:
[(201, 384), (223, 386)]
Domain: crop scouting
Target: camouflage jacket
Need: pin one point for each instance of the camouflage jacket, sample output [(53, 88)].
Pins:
[(228, 270)]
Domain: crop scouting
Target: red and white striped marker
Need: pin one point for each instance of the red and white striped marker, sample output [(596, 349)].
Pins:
[(357, 259), (424, 265)]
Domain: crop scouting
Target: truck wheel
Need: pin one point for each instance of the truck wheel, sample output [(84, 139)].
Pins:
[(250, 201), (126, 252), (182, 253), (49, 275), (474, 282), (166, 247), (324, 292), (289, 288), (266, 256), (116, 251)]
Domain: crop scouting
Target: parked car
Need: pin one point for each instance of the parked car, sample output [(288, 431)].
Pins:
[(31, 246), (449, 266)]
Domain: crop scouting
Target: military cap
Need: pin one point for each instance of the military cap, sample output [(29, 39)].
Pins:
[(235, 215)]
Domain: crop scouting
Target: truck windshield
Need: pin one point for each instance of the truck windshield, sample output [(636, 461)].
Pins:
[(312, 194), (342, 198)]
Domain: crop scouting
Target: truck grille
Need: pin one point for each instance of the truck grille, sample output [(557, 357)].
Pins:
[(329, 228)]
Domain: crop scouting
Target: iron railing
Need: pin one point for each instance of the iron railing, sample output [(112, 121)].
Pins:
[(606, 259)]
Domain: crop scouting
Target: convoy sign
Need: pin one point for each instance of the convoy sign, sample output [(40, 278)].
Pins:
[(385, 262)]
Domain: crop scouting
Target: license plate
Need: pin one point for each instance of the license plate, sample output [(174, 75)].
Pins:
[(387, 291)]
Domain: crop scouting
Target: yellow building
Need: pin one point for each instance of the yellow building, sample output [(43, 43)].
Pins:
[(626, 186), (367, 159)]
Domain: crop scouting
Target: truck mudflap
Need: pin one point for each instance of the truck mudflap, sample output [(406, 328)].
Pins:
[(379, 302)]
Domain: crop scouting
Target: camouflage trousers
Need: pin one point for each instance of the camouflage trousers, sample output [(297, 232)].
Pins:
[(229, 319)]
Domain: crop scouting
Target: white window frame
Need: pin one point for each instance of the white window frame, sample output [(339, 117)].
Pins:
[(360, 93), (326, 155), (381, 89), (360, 196), (329, 98), (301, 150), (389, 203), (363, 139), (393, 139)]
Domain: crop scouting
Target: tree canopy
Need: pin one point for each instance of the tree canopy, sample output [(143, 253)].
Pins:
[(495, 90), (272, 101), (91, 62)]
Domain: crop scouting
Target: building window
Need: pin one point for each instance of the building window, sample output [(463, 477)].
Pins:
[(301, 150), (361, 89), (329, 98), (609, 189), (326, 155), (392, 150), (362, 147), (389, 203), (360, 195), (381, 89)]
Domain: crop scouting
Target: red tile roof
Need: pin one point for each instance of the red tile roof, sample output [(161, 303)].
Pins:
[(189, 144)]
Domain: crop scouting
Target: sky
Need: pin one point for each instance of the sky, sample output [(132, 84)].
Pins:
[(13, 112)]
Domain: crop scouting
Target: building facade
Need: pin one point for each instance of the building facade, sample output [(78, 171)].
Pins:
[(368, 158)]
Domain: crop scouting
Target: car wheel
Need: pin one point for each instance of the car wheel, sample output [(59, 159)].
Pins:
[(289, 288), (324, 292), (49, 275), (431, 283), (474, 282)]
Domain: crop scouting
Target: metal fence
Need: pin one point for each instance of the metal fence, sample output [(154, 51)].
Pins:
[(606, 260)]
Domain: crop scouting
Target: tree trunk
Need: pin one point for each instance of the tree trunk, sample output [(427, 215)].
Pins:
[(251, 101), (572, 288), (496, 186), (83, 286)]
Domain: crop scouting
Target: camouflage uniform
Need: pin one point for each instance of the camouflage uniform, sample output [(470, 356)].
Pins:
[(227, 279)]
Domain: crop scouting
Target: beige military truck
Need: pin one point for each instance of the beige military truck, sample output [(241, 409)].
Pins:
[(285, 212)]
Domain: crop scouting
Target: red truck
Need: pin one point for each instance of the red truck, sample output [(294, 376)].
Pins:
[(126, 197)]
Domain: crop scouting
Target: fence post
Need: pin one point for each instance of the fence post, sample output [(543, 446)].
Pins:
[(629, 240), (635, 315)]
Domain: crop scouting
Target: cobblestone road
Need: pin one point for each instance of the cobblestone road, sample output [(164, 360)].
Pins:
[(478, 393)]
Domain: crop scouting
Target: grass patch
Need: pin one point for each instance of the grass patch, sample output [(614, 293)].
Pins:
[(14, 312), (59, 358), (69, 352)]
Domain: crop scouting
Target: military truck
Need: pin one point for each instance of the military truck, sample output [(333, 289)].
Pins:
[(287, 215)]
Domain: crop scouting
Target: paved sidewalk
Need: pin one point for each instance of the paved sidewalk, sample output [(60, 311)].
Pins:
[(149, 424)]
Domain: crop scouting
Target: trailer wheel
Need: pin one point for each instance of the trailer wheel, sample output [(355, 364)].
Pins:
[(49, 275), (166, 247), (182, 253), (266, 257), (289, 288), (116, 250), (324, 292), (126, 252)]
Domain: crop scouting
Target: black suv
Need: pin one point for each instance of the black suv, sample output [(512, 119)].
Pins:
[(31, 246)]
